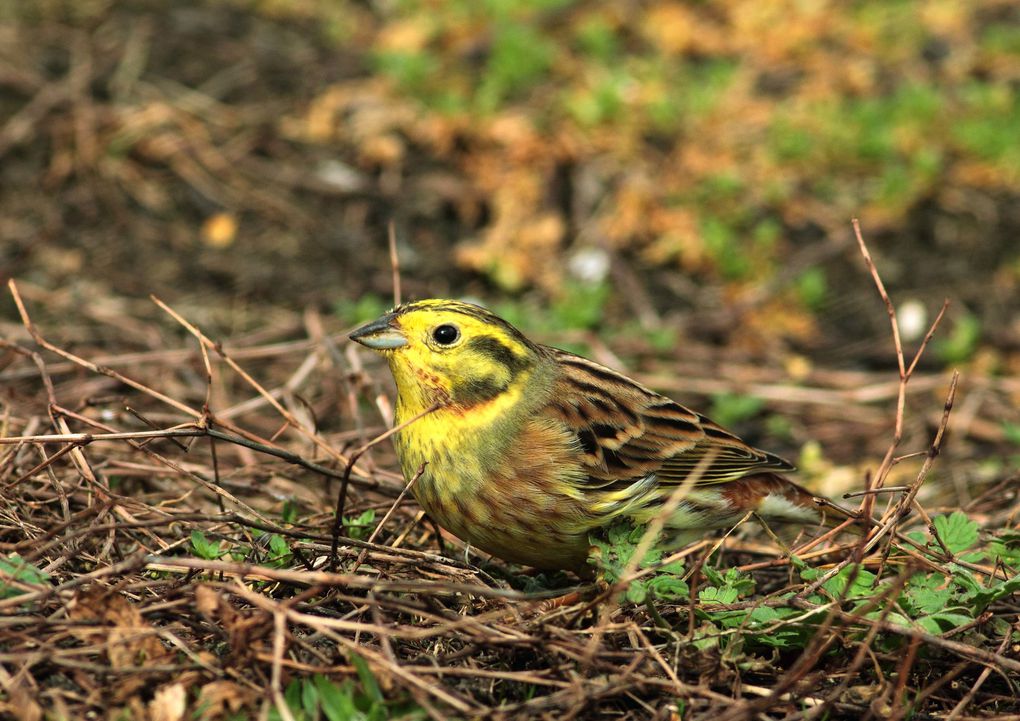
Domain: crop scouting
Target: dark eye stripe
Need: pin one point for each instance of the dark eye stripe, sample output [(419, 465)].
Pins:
[(477, 390), (494, 349)]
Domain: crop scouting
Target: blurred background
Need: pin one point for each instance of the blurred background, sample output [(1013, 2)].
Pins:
[(666, 186)]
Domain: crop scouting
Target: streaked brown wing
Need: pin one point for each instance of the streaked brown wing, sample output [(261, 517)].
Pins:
[(627, 431)]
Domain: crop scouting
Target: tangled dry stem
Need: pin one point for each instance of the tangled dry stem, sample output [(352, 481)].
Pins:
[(129, 619)]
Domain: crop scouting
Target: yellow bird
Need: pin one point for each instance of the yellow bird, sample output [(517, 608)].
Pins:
[(529, 448)]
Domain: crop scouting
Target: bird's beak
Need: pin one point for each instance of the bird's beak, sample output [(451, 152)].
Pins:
[(380, 334)]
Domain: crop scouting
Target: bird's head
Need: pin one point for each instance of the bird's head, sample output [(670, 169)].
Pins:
[(449, 352)]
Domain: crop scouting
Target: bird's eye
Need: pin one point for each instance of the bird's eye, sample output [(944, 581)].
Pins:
[(446, 334)]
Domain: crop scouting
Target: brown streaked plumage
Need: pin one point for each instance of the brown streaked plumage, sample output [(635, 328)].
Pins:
[(532, 448)]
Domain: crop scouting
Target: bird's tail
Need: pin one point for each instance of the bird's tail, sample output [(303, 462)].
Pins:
[(774, 497)]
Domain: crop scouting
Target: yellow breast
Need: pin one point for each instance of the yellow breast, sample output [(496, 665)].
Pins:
[(514, 492)]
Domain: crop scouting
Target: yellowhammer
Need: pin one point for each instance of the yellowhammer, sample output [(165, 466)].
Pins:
[(529, 448)]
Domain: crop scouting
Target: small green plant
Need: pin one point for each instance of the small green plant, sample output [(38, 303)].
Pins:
[(15, 568), (779, 426), (962, 341), (365, 308), (410, 70), (581, 306), (317, 697), (723, 243), (519, 58), (957, 531), (729, 409), (616, 548), (601, 103), (204, 548), (597, 38), (725, 588), (289, 513), (280, 554), (360, 526), (938, 599), (662, 339), (813, 287), (1011, 432), (1005, 548)]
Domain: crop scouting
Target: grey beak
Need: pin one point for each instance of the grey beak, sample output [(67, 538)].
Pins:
[(380, 334)]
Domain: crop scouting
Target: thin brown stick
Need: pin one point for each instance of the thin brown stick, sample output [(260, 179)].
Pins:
[(218, 347), (254, 572), (978, 683), (341, 498), (904, 371), (37, 337), (391, 234), (389, 512)]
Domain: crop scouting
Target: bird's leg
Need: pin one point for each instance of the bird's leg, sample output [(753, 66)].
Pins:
[(439, 536)]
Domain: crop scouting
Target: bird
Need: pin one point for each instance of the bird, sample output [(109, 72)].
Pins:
[(523, 450)]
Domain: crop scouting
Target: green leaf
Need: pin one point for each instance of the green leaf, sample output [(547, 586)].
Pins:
[(730, 619), (581, 306), (18, 569), (981, 596), (615, 547), (597, 38), (999, 626), (309, 698), (204, 548), (669, 587), (957, 531), (1012, 432), (962, 341), (739, 580), (337, 702), (948, 620), (927, 593), (289, 513), (764, 620), (930, 625), (706, 637), (895, 618), (368, 681), (800, 564), (812, 287), (764, 614), (860, 580), (279, 550), (917, 537), (730, 408), (358, 526), (725, 587), (723, 245), (292, 697), (662, 339), (637, 592), (712, 594), (714, 577), (1006, 546)]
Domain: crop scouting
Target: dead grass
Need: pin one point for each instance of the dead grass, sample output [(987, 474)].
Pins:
[(174, 507)]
